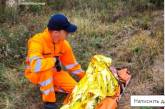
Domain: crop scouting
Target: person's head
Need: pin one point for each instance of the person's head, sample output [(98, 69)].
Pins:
[(59, 27)]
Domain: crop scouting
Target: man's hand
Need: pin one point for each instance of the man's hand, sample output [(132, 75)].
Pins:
[(57, 64), (81, 75)]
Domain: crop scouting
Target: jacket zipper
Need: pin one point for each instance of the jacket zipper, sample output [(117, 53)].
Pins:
[(54, 47)]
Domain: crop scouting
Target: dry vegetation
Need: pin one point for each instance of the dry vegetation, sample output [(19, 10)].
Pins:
[(131, 32)]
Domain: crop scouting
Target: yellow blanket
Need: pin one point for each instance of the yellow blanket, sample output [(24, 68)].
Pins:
[(98, 83)]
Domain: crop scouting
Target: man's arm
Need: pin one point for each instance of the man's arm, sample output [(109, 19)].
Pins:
[(37, 61), (69, 61)]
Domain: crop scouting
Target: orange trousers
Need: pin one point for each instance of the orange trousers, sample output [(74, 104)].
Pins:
[(51, 81)]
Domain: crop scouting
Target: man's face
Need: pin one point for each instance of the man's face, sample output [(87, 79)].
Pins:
[(58, 36)]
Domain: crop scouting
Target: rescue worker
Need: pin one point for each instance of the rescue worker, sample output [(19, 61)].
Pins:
[(47, 52)]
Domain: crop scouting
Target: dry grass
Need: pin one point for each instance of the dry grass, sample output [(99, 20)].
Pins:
[(134, 41)]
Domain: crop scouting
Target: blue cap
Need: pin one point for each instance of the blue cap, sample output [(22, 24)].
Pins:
[(60, 22)]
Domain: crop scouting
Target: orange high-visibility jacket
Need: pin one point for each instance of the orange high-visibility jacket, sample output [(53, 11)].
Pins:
[(41, 53)]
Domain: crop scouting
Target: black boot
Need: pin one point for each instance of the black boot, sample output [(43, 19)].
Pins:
[(49, 105)]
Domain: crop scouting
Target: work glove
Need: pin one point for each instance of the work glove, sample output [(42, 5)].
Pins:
[(58, 64)]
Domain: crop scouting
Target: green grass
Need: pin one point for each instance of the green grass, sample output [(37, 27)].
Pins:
[(131, 39)]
